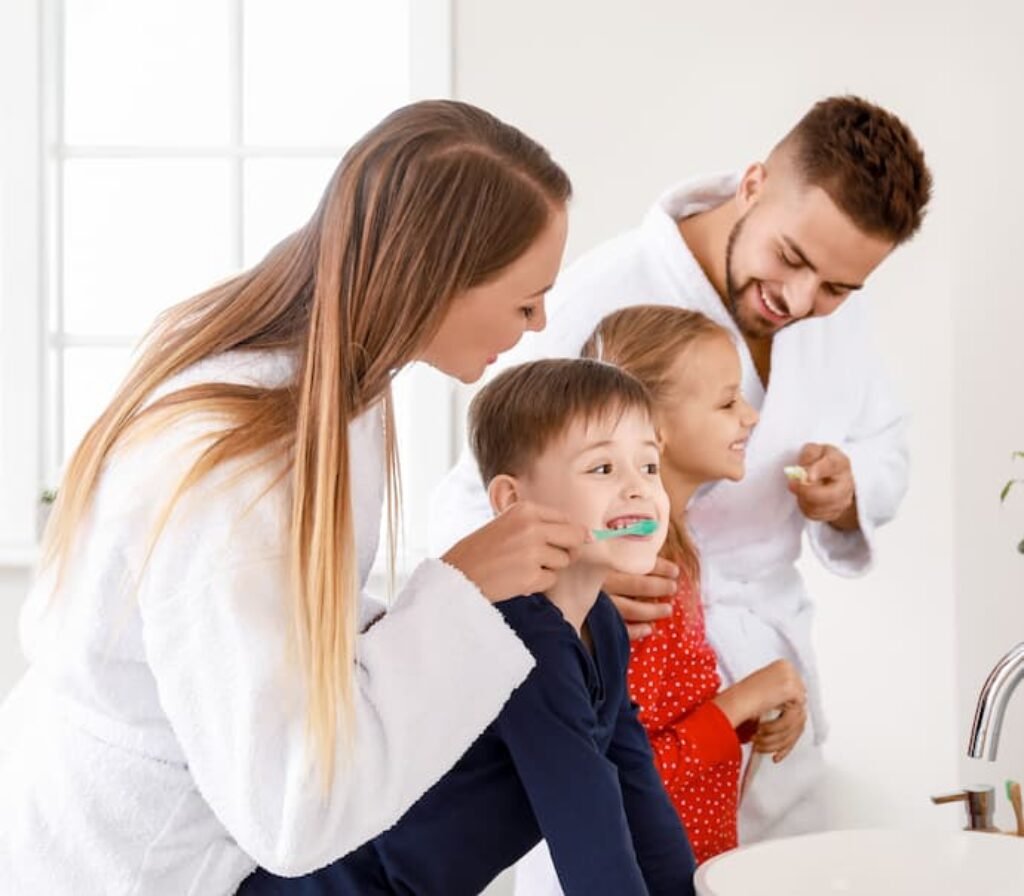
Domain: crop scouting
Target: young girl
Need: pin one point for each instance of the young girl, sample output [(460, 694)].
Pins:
[(692, 370), (199, 698)]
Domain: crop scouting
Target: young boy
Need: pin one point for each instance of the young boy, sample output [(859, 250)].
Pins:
[(567, 759)]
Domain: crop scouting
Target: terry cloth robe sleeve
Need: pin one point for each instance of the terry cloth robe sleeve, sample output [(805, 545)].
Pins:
[(216, 614), (876, 444), (573, 788)]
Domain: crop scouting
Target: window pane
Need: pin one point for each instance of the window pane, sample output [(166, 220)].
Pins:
[(322, 72), (139, 235), (146, 73), (91, 375), (280, 196)]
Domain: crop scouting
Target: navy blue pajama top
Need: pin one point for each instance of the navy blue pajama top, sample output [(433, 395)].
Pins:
[(566, 760)]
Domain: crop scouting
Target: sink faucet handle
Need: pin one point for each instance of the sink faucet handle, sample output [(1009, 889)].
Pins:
[(980, 803), (959, 797)]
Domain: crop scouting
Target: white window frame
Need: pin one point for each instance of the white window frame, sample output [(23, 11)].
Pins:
[(31, 416)]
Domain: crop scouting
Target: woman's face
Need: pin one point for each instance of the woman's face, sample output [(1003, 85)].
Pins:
[(489, 319)]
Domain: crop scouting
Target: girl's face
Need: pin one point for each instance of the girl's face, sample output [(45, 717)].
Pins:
[(489, 319), (706, 422)]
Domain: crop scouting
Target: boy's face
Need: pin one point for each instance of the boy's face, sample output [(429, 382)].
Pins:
[(605, 475)]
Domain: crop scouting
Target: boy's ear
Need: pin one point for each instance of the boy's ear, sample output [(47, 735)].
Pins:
[(503, 492)]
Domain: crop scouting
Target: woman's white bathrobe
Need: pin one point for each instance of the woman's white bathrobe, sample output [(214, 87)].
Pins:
[(825, 386), (156, 746)]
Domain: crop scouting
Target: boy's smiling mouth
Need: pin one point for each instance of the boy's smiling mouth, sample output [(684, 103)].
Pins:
[(621, 522)]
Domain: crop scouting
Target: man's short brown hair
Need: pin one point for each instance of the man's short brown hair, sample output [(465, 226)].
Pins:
[(867, 161), (516, 416)]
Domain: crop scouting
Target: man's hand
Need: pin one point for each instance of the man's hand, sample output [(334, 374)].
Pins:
[(828, 494), (643, 600)]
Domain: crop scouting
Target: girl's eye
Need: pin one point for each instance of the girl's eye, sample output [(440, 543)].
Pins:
[(603, 469)]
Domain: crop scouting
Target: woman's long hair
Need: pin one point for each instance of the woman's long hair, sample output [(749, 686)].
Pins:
[(437, 198), (647, 341)]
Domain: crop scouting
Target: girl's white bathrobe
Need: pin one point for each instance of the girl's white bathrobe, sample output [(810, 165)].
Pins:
[(825, 386), (157, 744)]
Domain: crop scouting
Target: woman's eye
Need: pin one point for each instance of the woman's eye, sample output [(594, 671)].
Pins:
[(787, 261)]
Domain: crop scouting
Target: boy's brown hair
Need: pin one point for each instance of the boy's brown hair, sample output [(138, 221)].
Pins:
[(516, 416), (868, 162)]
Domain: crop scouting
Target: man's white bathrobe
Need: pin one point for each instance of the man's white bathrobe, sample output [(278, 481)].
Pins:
[(157, 744), (825, 386)]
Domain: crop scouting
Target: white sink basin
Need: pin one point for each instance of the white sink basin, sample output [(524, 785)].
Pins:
[(870, 863)]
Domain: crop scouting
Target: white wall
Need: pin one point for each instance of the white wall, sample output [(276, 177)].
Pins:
[(633, 97)]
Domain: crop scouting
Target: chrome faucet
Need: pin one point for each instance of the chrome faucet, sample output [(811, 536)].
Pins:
[(995, 694)]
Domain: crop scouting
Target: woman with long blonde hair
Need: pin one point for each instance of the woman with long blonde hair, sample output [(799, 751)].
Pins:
[(208, 687)]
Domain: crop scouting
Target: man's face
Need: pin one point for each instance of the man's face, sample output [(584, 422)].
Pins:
[(793, 254), (605, 475)]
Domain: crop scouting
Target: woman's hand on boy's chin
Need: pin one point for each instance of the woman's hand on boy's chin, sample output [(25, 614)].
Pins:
[(643, 600)]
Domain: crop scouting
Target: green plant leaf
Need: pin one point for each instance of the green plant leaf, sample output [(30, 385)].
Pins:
[(1006, 489)]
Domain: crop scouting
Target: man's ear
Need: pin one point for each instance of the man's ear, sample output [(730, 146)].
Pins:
[(751, 185), (503, 492)]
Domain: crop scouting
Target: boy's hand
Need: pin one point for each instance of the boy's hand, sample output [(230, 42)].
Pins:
[(828, 495), (519, 552), (642, 600), (780, 736)]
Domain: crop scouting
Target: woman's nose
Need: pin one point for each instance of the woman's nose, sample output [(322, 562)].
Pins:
[(539, 320)]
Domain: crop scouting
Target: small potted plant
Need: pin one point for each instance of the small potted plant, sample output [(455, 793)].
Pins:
[(46, 499), (1006, 490)]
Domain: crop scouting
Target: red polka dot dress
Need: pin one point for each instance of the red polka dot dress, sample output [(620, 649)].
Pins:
[(673, 677)]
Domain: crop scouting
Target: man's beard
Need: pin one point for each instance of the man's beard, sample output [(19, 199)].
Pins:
[(753, 329)]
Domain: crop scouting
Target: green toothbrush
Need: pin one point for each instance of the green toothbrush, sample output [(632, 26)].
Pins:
[(640, 527)]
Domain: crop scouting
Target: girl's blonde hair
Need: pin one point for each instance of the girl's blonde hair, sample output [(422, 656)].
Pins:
[(437, 198), (647, 341)]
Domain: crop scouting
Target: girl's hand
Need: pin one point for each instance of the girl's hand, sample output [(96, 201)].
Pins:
[(768, 688), (519, 552), (780, 735), (643, 600)]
